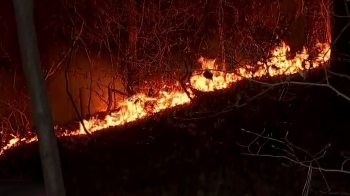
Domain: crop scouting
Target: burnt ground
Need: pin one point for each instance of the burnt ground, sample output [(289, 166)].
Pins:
[(172, 154)]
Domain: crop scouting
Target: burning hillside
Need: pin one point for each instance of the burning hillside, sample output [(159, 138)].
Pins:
[(141, 105)]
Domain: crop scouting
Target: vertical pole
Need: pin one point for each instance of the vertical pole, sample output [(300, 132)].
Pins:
[(50, 160)]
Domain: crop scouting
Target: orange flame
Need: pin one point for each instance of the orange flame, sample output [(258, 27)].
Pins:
[(140, 105), (135, 108)]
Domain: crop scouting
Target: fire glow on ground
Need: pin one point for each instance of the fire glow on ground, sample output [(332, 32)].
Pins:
[(136, 107)]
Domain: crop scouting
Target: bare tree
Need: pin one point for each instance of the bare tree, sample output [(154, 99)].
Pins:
[(131, 51), (36, 84), (221, 35)]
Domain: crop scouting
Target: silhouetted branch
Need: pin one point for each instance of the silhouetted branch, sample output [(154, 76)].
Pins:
[(67, 80), (289, 153)]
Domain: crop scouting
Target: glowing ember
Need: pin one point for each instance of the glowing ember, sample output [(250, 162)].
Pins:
[(140, 105)]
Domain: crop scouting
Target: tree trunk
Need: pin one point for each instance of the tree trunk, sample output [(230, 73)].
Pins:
[(221, 35), (50, 160), (132, 78)]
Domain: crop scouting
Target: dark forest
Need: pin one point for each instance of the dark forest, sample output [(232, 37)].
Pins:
[(175, 97)]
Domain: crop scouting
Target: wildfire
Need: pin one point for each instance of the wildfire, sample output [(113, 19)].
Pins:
[(140, 105)]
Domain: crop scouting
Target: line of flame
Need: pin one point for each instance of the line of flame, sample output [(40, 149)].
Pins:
[(140, 105)]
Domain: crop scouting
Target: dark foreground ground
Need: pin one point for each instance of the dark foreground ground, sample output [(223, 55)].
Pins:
[(173, 154)]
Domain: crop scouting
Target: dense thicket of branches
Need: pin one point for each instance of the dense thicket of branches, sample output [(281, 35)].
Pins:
[(167, 37), (169, 31)]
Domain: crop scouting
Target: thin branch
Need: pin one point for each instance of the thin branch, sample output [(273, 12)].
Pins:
[(293, 160)]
